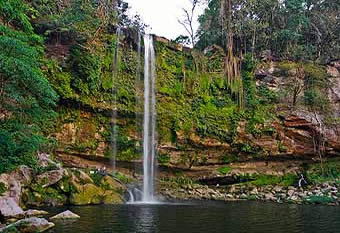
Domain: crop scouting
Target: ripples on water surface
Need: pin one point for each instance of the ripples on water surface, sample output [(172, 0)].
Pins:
[(203, 217)]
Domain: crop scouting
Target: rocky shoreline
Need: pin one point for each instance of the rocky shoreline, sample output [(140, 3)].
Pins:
[(52, 185), (325, 193)]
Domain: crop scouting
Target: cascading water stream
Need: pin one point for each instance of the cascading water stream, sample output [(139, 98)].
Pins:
[(149, 122)]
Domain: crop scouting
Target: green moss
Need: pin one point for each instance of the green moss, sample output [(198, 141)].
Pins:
[(224, 170), (3, 188), (123, 178), (176, 182), (281, 147), (286, 66), (264, 180), (229, 158), (89, 194), (64, 185), (96, 177), (163, 159), (45, 196)]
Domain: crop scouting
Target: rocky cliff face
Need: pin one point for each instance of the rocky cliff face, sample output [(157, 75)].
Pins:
[(197, 125), (299, 129)]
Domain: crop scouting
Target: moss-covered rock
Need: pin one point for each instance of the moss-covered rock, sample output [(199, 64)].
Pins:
[(44, 197), (112, 197), (109, 183), (87, 194)]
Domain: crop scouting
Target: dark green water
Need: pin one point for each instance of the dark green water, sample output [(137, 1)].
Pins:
[(203, 217)]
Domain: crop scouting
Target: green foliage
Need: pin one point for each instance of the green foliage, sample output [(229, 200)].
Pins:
[(249, 85), (11, 230), (96, 177), (331, 171), (317, 81), (123, 178), (14, 12), (163, 159), (60, 80), (26, 97), (289, 29), (224, 170), (2, 188), (178, 180), (263, 180)]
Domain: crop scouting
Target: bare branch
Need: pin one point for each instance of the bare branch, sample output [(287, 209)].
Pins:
[(188, 20)]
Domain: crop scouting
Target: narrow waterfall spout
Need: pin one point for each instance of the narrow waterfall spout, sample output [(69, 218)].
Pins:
[(149, 123)]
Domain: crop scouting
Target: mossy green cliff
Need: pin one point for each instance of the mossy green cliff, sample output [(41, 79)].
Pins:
[(198, 119)]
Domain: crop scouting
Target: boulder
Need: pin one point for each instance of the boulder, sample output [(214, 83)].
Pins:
[(14, 181), (111, 197), (45, 197), (45, 161), (110, 183), (82, 177), (30, 225), (9, 208), (50, 178), (34, 213), (65, 215), (87, 194)]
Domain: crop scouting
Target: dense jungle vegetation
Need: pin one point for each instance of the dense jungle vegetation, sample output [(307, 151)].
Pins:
[(60, 53)]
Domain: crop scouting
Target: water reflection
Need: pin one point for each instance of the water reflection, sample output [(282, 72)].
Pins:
[(245, 217), (146, 219)]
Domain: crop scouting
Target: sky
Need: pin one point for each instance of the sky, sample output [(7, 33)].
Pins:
[(162, 15)]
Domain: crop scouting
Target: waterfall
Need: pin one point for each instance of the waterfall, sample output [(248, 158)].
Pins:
[(114, 102), (149, 122)]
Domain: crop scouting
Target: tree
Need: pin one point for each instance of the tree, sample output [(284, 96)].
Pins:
[(184, 40), (210, 27), (26, 97), (291, 29), (188, 20)]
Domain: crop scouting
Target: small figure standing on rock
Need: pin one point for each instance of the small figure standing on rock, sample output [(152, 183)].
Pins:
[(302, 179)]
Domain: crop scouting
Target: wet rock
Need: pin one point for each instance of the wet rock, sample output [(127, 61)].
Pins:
[(34, 213), (290, 192), (269, 197), (243, 196), (9, 208), (294, 198), (278, 189), (30, 225), (65, 215)]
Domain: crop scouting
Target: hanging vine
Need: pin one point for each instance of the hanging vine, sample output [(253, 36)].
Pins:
[(232, 62)]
